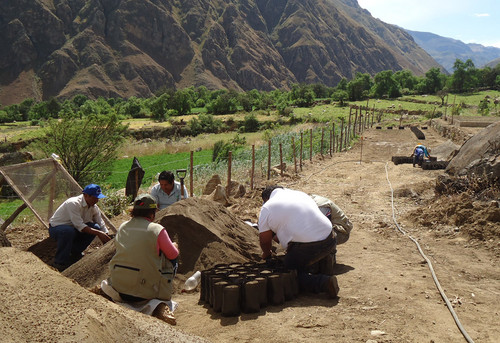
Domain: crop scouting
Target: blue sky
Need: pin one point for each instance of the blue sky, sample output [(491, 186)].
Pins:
[(471, 21)]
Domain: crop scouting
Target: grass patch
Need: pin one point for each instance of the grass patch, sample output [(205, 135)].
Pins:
[(152, 165)]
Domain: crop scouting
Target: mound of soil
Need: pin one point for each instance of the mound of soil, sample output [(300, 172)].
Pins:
[(41, 305), (450, 215), (206, 232)]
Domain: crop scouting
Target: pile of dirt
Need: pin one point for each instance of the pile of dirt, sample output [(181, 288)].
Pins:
[(206, 232), (460, 214), (41, 305)]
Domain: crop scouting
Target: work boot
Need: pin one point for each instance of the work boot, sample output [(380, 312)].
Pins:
[(163, 312), (59, 267), (333, 287)]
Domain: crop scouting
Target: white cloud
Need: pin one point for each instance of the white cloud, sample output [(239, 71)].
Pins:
[(481, 14)]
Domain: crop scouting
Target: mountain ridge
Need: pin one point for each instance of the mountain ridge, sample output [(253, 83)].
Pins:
[(123, 48), (446, 50)]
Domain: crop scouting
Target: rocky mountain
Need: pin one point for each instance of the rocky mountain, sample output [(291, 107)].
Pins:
[(123, 48), (447, 50)]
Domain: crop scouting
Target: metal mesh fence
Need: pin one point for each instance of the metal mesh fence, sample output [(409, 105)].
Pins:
[(43, 185)]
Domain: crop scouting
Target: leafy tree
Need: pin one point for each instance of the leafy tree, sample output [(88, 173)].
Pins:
[(205, 123), (302, 95), (406, 79), (265, 101), (245, 101), (464, 75), (320, 90), (359, 87), (86, 147), (133, 108), (225, 103), (39, 111), (158, 107), (251, 123), (385, 85), (78, 100), (53, 108), (24, 108), (342, 85), (341, 96), (442, 94), (181, 102), (433, 82)]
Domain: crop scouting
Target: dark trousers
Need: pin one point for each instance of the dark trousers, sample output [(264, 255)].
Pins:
[(301, 256), (70, 242)]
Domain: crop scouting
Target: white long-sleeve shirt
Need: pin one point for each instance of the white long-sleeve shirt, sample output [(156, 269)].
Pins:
[(76, 212)]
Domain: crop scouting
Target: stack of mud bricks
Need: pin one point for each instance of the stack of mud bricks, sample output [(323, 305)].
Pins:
[(234, 288)]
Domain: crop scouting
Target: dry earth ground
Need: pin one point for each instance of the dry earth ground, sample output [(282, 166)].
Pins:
[(387, 292)]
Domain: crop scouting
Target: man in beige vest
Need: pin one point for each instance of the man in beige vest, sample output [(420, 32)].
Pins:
[(145, 261)]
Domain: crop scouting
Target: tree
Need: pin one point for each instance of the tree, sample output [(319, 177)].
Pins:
[(225, 103), (465, 75), (158, 107), (180, 102), (359, 87), (302, 95), (86, 147), (406, 79), (341, 96), (433, 82), (385, 85)]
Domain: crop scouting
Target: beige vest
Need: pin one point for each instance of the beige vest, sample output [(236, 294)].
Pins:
[(136, 269)]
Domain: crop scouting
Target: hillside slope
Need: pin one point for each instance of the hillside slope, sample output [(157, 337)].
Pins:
[(447, 50), (123, 48)]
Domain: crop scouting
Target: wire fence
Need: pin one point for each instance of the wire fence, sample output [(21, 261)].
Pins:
[(254, 166)]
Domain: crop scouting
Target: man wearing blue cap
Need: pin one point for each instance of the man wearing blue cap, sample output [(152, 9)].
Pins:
[(75, 224)]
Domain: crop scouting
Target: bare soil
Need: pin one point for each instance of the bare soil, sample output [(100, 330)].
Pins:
[(387, 293)]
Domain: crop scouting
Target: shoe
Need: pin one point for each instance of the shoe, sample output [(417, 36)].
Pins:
[(333, 287), (76, 257), (59, 267), (163, 312)]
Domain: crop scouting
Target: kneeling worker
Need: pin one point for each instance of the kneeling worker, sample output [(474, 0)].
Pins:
[(75, 224), (145, 262), (303, 230)]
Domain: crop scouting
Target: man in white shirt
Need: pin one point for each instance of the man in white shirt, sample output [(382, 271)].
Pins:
[(75, 224), (293, 219), (167, 191)]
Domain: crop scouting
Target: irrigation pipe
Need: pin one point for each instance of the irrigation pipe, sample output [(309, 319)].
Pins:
[(434, 277)]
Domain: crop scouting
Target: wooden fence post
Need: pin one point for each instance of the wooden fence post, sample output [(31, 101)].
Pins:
[(191, 176), (311, 145), (269, 160), (281, 160), (301, 146), (322, 139), (294, 154), (253, 167), (229, 161), (341, 133)]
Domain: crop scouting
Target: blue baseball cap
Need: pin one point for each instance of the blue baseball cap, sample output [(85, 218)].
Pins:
[(93, 190)]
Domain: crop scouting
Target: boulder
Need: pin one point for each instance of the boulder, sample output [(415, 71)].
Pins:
[(479, 155)]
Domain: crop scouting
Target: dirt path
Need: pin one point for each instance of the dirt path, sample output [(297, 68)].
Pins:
[(387, 292), (385, 283)]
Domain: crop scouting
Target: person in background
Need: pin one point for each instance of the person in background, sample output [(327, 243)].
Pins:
[(167, 191), (293, 219), (75, 224), (341, 224), (145, 262), (419, 153)]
